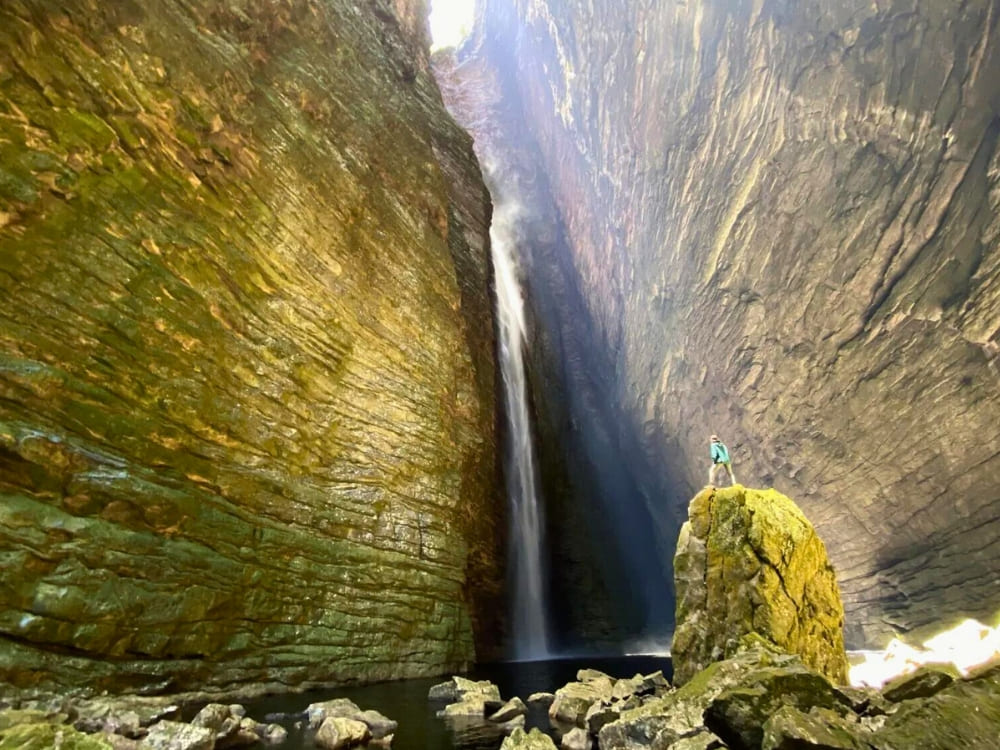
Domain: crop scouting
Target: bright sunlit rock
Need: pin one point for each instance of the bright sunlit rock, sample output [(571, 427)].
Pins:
[(451, 22), (967, 645)]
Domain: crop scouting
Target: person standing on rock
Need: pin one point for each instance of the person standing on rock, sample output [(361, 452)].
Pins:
[(720, 458)]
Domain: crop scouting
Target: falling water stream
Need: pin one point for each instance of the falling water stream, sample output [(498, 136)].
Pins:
[(530, 633)]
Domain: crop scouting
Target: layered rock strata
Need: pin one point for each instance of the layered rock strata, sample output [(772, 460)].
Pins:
[(247, 373), (781, 223), (748, 562)]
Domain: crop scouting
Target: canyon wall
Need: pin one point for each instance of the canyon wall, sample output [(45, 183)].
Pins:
[(247, 400), (780, 220)]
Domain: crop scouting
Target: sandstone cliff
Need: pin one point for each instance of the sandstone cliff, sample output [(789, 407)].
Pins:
[(781, 223), (748, 562), (246, 380)]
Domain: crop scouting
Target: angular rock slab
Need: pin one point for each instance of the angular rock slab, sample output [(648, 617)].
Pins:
[(681, 713), (748, 561), (964, 715), (533, 740)]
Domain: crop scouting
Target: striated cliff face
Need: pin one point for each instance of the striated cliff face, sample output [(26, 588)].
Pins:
[(781, 222), (247, 373)]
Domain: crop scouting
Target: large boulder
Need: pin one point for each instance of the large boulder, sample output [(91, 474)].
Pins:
[(748, 561), (764, 699), (317, 713)]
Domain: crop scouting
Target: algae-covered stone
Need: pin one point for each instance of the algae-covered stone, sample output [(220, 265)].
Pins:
[(748, 561), (680, 713), (966, 714), (573, 700), (45, 736), (792, 729), (533, 740), (738, 714), (511, 709), (318, 712), (700, 740), (465, 687), (576, 739)]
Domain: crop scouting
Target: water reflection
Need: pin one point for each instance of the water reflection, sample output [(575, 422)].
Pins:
[(420, 729)]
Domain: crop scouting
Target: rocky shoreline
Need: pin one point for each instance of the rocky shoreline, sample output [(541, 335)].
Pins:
[(761, 698)]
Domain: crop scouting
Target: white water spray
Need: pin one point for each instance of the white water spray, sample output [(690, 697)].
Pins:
[(530, 633)]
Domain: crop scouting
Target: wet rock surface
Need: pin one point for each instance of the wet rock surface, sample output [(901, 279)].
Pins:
[(764, 698), (246, 390), (111, 722), (747, 562), (777, 222)]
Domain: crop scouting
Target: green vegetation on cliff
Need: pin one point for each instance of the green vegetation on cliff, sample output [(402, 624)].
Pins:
[(246, 381)]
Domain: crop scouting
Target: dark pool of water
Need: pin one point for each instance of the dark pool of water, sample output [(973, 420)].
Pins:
[(419, 728)]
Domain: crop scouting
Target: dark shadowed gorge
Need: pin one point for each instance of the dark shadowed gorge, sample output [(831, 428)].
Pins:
[(773, 220)]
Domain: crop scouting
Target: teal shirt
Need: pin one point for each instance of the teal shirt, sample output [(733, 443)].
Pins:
[(720, 454)]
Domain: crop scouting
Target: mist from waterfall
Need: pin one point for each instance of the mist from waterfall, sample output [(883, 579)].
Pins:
[(526, 533)]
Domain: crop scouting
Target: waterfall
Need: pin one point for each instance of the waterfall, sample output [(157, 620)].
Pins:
[(530, 632)]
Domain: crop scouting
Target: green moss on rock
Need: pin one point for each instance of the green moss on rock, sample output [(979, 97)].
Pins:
[(45, 736), (246, 388), (748, 562)]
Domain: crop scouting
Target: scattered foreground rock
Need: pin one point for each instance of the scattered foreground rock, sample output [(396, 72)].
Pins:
[(748, 561), (510, 710), (134, 723), (338, 733), (175, 735), (576, 739), (766, 699), (543, 699), (379, 727), (128, 716), (926, 681), (574, 700), (533, 740), (467, 698)]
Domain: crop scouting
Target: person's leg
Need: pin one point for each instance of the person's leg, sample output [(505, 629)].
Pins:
[(729, 470), (711, 474)]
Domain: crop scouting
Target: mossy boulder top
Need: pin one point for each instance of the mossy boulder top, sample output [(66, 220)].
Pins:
[(748, 561)]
